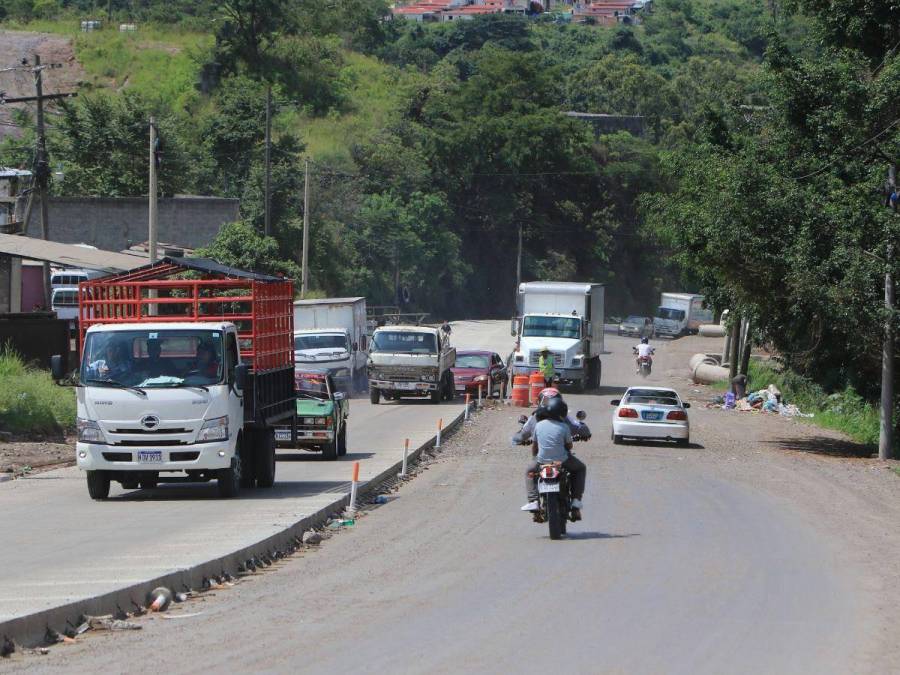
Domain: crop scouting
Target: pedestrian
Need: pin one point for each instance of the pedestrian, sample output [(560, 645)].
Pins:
[(545, 365)]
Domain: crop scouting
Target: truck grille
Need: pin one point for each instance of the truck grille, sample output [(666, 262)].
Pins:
[(559, 359), (154, 442), (152, 431), (118, 457)]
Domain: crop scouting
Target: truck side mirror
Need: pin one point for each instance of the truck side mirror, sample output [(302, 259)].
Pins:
[(339, 396), (615, 401), (57, 371), (241, 373), (514, 327), (355, 346)]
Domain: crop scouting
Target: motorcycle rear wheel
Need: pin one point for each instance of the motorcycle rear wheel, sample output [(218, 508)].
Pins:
[(554, 517)]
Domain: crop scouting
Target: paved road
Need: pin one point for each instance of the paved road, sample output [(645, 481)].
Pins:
[(726, 557), (58, 546)]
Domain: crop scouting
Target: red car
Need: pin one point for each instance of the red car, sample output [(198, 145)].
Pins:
[(476, 368)]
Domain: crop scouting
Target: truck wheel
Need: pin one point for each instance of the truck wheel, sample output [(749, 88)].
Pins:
[(229, 480), (265, 459), (451, 388), (98, 484), (342, 441), (330, 451), (374, 395), (438, 394)]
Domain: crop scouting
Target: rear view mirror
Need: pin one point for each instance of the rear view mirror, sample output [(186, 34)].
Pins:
[(686, 405), (514, 327), (241, 373), (581, 415), (615, 401), (57, 371)]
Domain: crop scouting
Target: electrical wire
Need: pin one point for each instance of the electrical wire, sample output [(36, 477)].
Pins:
[(843, 155)]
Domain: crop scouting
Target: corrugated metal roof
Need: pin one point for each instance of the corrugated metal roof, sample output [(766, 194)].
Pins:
[(206, 265), (68, 254)]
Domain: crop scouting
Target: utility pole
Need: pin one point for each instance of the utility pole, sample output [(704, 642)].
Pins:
[(152, 230), (42, 167), (746, 348), (518, 272), (886, 432), (734, 356), (304, 280), (268, 209)]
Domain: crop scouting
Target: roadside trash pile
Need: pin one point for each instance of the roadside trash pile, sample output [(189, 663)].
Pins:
[(768, 400)]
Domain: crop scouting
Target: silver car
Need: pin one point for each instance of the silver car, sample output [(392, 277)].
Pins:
[(637, 326)]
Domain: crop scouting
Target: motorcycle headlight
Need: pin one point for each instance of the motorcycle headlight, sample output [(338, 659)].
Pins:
[(215, 429), (89, 431)]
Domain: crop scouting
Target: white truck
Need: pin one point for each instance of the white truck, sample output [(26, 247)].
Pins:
[(330, 334), (679, 314), (566, 318), (411, 361), (193, 381)]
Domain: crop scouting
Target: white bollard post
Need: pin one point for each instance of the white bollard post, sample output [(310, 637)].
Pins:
[(468, 399), (405, 458), (437, 442), (353, 487), (478, 407)]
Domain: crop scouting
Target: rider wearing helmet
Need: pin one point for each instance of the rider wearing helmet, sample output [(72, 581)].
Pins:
[(524, 435), (553, 443), (640, 351)]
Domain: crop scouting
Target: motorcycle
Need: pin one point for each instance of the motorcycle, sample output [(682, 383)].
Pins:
[(554, 500), (579, 430), (645, 364)]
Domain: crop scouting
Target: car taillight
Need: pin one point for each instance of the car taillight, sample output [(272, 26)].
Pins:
[(627, 412), (677, 415)]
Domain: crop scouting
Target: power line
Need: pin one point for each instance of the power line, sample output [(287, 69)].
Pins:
[(843, 155)]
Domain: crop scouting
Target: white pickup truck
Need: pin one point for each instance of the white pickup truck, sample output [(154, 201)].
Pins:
[(410, 361)]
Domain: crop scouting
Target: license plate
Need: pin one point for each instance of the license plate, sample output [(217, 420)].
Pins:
[(652, 415), (282, 434), (460, 387), (548, 487), (405, 386), (150, 456)]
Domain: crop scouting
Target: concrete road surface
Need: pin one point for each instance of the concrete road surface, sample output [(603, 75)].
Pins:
[(732, 556), (59, 547)]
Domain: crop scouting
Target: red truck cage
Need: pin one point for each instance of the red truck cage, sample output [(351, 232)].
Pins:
[(197, 289)]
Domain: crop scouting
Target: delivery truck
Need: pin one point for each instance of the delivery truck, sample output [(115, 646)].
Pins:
[(680, 314), (567, 319), (330, 334), (186, 368)]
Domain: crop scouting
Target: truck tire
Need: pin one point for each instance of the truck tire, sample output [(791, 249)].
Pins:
[(374, 395), (330, 451), (450, 388), (438, 394), (342, 441), (265, 458), (98, 484), (230, 480)]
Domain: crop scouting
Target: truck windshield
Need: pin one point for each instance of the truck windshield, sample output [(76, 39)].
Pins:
[(669, 313), (303, 342), (311, 385), (153, 358), (404, 343), (552, 326)]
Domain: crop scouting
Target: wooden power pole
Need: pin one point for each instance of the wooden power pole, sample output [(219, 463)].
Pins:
[(152, 234), (304, 277), (42, 168), (268, 206), (886, 432)]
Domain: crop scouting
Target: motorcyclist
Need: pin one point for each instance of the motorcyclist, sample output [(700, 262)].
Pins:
[(553, 443), (642, 350), (576, 426)]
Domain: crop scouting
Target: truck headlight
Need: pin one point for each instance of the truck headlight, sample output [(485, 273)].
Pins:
[(577, 361), (320, 421), (480, 378), (89, 431), (215, 429)]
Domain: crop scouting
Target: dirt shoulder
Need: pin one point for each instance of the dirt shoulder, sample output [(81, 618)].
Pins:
[(25, 457)]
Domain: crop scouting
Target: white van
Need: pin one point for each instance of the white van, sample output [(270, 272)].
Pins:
[(64, 301)]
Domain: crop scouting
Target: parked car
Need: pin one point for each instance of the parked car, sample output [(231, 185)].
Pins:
[(321, 416), (637, 326), (652, 413), (477, 368)]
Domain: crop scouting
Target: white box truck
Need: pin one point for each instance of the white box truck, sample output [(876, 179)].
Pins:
[(566, 318), (680, 314), (330, 334)]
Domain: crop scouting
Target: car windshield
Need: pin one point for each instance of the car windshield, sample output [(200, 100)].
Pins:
[(669, 313), (313, 385), (404, 343), (634, 319), (651, 397), (552, 326), (153, 358), (336, 342), (472, 361)]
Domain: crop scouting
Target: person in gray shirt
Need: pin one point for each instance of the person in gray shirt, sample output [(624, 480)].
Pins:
[(553, 443)]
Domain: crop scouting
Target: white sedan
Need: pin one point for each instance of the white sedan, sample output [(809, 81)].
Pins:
[(652, 413)]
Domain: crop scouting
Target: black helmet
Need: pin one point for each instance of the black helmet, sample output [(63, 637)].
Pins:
[(557, 408), (645, 341)]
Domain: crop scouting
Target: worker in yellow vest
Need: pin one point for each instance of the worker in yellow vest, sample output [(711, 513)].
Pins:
[(545, 365)]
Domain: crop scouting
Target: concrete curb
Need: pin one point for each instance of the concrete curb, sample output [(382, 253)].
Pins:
[(29, 630)]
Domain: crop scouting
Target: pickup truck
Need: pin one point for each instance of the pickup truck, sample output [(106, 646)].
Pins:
[(322, 414), (410, 361)]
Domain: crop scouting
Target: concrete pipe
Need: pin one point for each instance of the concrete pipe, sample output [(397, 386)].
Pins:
[(697, 359), (706, 373), (712, 330)]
